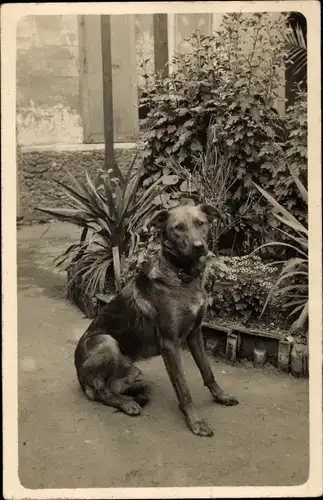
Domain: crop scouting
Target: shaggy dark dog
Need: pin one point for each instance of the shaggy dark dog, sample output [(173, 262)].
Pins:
[(156, 311)]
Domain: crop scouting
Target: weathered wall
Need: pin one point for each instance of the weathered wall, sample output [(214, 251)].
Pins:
[(144, 48), (38, 169), (48, 80), (54, 100)]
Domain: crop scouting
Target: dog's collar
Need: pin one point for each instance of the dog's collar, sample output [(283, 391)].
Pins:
[(184, 274)]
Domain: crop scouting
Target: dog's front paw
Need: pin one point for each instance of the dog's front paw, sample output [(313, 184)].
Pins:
[(225, 399), (131, 408), (201, 428)]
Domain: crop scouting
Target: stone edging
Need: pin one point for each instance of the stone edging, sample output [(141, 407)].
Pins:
[(257, 345)]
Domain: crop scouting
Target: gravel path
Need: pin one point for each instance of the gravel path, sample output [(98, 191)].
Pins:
[(66, 441)]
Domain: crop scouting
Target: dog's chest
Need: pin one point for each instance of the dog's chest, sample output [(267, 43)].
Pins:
[(190, 314), (193, 307), (195, 304)]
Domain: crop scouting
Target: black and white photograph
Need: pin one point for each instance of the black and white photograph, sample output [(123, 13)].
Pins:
[(162, 273)]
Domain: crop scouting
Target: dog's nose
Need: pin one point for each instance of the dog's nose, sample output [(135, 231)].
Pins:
[(198, 247)]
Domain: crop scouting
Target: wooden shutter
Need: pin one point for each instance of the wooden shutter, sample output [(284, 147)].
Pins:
[(124, 78)]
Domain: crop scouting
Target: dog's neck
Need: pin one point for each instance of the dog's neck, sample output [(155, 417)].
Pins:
[(186, 270)]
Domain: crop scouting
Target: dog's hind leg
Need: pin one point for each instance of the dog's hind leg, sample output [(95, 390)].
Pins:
[(140, 391), (105, 376), (99, 391), (196, 346)]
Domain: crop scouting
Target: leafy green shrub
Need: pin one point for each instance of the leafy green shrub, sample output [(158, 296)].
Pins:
[(219, 77), (234, 87), (114, 210)]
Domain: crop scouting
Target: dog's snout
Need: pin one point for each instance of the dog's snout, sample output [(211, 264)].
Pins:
[(198, 247)]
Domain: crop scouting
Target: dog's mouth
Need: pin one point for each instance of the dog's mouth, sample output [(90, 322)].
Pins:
[(192, 257), (199, 251)]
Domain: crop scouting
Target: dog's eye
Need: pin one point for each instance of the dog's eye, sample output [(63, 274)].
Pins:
[(199, 222), (179, 226)]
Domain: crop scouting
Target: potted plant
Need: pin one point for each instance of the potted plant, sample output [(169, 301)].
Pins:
[(112, 212)]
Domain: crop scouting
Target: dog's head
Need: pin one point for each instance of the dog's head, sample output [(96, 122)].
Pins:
[(184, 229)]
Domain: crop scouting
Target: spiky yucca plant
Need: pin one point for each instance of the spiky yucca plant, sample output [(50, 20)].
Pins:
[(114, 210), (292, 284)]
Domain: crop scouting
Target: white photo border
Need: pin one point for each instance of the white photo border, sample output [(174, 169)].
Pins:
[(10, 15)]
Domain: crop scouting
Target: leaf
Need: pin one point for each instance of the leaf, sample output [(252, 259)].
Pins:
[(182, 111), (291, 274), (116, 267), (255, 114), (189, 123), (170, 180), (184, 136), (303, 242), (196, 145), (297, 226), (78, 184), (147, 152), (172, 203), (187, 187), (148, 181), (161, 199), (293, 263), (171, 128), (277, 205), (289, 288), (182, 155), (277, 243), (299, 323), (128, 195), (241, 82), (58, 261), (74, 216), (301, 187)]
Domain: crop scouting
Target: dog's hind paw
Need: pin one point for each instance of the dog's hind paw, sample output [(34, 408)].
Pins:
[(130, 408), (142, 399), (201, 428)]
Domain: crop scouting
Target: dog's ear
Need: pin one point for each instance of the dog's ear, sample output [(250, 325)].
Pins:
[(159, 220), (210, 211)]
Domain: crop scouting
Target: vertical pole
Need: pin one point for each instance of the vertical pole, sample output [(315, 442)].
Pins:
[(161, 43), (107, 92)]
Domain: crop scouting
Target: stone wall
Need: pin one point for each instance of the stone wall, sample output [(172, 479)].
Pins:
[(38, 169)]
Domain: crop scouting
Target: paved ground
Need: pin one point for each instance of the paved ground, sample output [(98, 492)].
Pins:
[(66, 441)]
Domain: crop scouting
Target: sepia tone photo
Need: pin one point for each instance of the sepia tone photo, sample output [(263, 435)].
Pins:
[(163, 261)]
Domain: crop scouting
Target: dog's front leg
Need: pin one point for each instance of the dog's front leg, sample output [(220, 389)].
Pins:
[(196, 346), (173, 363)]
